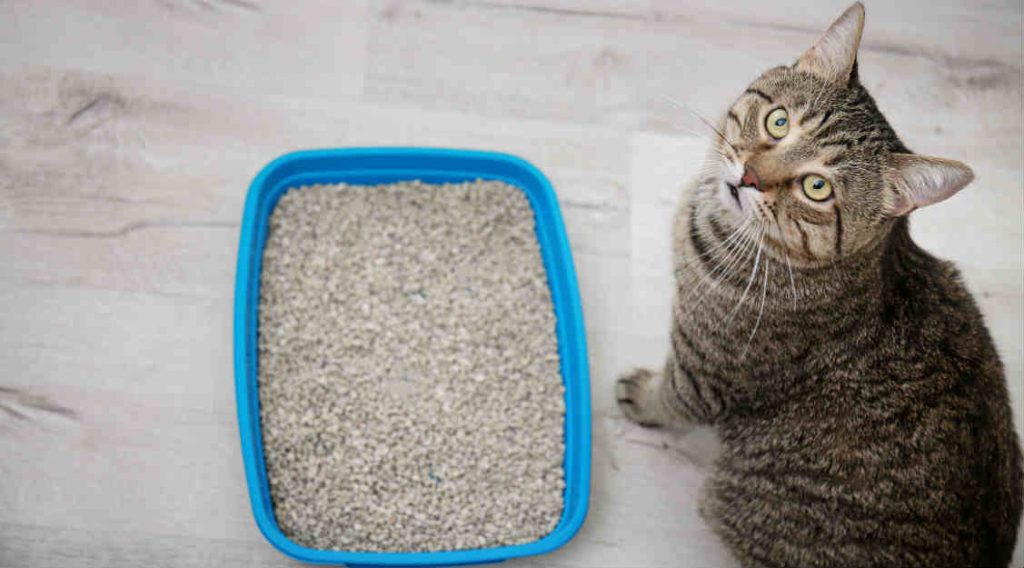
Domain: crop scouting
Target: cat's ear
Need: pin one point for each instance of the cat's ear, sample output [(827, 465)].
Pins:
[(834, 56), (914, 181)]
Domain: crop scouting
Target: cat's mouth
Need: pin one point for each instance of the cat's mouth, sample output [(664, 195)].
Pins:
[(735, 193)]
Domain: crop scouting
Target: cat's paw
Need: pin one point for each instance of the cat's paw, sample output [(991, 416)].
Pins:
[(635, 392)]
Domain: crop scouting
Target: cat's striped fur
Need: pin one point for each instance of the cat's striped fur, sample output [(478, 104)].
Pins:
[(860, 401)]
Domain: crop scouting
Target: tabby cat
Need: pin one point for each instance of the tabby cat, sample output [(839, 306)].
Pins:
[(860, 402)]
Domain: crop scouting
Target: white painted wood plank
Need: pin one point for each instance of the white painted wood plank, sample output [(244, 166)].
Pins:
[(24, 545), (958, 28), (258, 47), (147, 443)]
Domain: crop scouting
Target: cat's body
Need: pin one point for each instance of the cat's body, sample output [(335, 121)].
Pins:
[(872, 416), (859, 398)]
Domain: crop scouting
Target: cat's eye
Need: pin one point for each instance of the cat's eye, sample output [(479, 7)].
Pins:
[(777, 123), (817, 188)]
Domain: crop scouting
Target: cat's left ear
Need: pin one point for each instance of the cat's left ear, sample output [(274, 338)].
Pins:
[(834, 56), (913, 181)]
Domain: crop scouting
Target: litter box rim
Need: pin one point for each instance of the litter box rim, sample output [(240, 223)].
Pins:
[(378, 165)]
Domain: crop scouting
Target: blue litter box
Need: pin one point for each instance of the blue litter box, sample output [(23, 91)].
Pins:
[(371, 166)]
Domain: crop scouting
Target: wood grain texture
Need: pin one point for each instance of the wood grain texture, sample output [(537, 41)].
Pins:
[(129, 132)]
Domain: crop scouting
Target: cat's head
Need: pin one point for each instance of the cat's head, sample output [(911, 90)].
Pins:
[(805, 152)]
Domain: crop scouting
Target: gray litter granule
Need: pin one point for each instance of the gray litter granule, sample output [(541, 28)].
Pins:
[(409, 384)]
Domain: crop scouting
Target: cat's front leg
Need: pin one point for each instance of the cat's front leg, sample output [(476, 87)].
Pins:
[(644, 397), (637, 395), (672, 398)]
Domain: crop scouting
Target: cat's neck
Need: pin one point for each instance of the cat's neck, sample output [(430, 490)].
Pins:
[(776, 287), (855, 276), (769, 285), (870, 287)]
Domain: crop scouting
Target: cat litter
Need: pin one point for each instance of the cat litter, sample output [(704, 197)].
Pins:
[(409, 384)]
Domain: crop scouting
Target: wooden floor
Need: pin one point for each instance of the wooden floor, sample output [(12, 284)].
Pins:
[(129, 132)]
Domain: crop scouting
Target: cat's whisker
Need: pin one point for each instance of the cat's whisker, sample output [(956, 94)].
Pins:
[(720, 134), (725, 268), (741, 253), (717, 160), (752, 247), (698, 283), (760, 312), (722, 268), (747, 228), (719, 150), (736, 234), (686, 128), (713, 160), (709, 167), (713, 128), (723, 254), (753, 273)]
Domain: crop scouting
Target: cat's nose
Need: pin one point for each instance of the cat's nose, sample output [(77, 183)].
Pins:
[(750, 178)]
